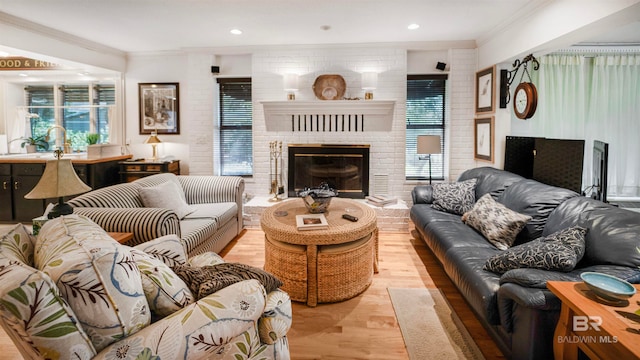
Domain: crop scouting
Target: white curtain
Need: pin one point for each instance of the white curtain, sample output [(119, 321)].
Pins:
[(594, 97), (614, 117)]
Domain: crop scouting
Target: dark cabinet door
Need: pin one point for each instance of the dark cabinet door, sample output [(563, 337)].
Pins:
[(6, 210), (26, 209), (25, 178)]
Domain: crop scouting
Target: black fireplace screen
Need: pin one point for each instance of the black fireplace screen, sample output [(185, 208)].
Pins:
[(344, 167)]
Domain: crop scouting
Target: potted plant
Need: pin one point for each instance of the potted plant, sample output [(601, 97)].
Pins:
[(34, 143), (92, 138)]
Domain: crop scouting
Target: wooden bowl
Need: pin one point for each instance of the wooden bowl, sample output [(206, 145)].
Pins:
[(329, 87)]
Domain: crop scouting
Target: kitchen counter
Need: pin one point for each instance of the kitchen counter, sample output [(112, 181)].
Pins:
[(76, 158)]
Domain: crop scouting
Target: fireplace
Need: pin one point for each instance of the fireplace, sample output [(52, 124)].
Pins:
[(344, 167)]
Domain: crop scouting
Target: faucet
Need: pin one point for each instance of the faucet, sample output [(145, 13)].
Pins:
[(66, 144)]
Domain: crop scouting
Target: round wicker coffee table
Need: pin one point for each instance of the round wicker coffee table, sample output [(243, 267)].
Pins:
[(326, 265)]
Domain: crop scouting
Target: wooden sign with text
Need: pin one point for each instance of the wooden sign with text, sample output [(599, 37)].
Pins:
[(22, 63)]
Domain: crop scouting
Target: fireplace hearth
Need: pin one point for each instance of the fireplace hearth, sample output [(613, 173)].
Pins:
[(344, 167)]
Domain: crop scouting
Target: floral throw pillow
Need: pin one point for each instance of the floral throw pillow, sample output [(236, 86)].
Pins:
[(496, 222), (455, 198), (560, 251)]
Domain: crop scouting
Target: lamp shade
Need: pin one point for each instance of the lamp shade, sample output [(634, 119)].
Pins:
[(58, 180), (291, 82), (153, 139), (429, 144), (369, 80)]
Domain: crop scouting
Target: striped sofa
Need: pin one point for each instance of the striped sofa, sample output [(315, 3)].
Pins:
[(216, 219)]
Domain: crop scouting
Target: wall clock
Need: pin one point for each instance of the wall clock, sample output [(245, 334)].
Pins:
[(525, 100)]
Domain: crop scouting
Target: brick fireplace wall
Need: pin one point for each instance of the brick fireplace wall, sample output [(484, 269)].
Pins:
[(387, 147)]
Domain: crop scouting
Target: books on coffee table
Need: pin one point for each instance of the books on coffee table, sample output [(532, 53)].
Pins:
[(381, 200), (311, 222)]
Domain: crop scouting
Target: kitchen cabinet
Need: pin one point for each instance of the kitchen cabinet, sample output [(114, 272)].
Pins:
[(19, 175)]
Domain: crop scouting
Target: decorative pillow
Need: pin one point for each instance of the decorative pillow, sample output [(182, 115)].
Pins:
[(208, 279), (96, 276), (35, 312), (204, 259), (496, 222), (455, 198), (166, 293), (17, 244), (167, 248), (560, 251), (167, 195)]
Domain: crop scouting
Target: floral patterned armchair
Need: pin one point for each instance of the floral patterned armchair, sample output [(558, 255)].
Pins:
[(75, 293)]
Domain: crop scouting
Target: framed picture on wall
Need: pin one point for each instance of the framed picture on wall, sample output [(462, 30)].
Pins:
[(485, 90), (159, 108), (484, 138)]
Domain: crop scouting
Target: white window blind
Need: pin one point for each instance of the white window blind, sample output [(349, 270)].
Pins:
[(236, 124), (425, 116)]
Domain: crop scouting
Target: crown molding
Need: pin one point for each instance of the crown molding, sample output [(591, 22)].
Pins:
[(48, 32)]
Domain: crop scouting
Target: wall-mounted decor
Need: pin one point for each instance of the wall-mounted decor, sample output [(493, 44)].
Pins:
[(159, 108), (329, 87), (485, 90), (508, 76), (525, 100), (484, 138)]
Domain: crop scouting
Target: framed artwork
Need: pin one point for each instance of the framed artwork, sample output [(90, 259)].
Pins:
[(484, 138), (159, 108), (485, 90)]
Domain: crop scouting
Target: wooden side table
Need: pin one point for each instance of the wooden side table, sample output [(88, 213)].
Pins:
[(594, 325), (133, 170), (121, 237)]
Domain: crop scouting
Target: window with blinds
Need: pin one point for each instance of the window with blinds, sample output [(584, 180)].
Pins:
[(40, 101), (236, 124), (104, 95), (425, 116), (73, 111)]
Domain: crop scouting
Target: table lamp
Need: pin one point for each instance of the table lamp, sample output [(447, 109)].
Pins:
[(58, 180), (291, 85), (429, 144), (369, 83), (154, 141)]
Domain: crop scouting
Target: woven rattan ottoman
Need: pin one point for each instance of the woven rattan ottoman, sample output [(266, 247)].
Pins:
[(326, 265)]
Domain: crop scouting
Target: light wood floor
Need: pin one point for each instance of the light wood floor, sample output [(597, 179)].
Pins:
[(364, 327)]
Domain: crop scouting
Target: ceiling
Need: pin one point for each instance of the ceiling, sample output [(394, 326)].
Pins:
[(147, 26), (165, 25)]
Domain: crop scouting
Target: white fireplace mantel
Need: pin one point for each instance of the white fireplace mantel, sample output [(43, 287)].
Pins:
[(329, 115)]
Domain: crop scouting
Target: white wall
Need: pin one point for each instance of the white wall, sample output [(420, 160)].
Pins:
[(161, 68), (198, 104)]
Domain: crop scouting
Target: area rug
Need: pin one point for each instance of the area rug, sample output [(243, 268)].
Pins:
[(431, 330)]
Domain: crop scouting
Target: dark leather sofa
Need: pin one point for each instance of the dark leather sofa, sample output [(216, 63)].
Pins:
[(516, 308)]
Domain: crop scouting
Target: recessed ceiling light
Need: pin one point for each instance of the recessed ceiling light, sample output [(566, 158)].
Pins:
[(413, 26), (23, 75), (236, 31)]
